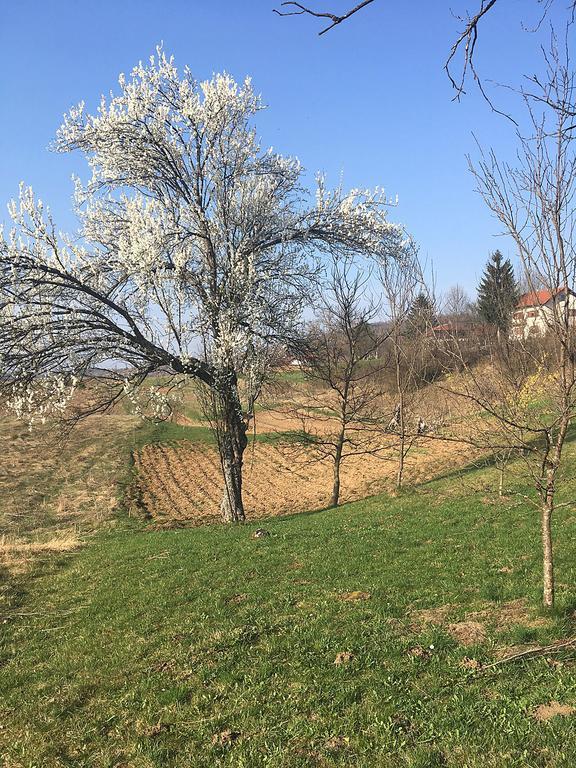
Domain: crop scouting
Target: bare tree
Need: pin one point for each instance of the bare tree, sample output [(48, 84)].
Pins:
[(457, 303), (343, 360), (534, 201), (463, 48), (401, 282), (194, 257)]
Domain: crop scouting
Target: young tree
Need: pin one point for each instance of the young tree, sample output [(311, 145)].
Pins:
[(498, 294), (401, 283), (343, 358), (194, 255), (534, 202)]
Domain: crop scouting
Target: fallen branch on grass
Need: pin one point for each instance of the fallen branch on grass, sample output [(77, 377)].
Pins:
[(531, 653)]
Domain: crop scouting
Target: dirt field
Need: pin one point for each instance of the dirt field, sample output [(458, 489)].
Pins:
[(54, 491), (182, 483)]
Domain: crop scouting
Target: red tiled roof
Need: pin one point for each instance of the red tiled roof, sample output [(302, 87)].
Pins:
[(537, 298), (462, 326)]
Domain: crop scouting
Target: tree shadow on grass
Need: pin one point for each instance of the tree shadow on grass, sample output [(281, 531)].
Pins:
[(488, 461), (16, 588)]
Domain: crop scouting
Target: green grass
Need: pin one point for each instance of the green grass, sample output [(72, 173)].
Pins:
[(140, 648), (293, 377), (168, 432)]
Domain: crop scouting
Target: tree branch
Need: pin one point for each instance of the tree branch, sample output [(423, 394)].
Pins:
[(327, 15)]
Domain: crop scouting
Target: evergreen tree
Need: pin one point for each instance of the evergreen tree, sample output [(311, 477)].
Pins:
[(421, 317), (498, 293)]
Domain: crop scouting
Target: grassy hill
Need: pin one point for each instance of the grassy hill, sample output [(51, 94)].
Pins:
[(350, 637)]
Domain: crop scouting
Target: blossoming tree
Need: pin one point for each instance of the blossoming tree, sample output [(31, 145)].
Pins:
[(195, 254)]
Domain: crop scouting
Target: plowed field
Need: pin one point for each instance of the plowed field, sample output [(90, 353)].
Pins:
[(181, 483)]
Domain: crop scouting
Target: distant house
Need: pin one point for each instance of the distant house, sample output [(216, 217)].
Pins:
[(536, 311), (461, 330)]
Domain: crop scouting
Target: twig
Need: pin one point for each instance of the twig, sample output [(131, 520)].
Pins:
[(302, 9), (45, 613), (468, 39), (531, 653)]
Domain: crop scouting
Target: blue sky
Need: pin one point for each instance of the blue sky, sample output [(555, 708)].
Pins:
[(369, 100)]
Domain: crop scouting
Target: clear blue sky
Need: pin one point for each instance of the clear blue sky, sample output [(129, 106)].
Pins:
[(369, 100)]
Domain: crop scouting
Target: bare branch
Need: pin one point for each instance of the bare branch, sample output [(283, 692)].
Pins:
[(467, 40), (332, 16)]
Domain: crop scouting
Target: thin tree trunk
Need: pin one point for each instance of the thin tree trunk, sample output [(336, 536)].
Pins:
[(401, 456), (548, 496), (343, 419), (547, 560), (337, 461), (402, 426)]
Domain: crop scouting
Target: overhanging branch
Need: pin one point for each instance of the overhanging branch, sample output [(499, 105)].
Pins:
[(335, 19)]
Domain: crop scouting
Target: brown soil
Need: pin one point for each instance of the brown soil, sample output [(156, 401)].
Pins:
[(467, 632), (545, 712), (181, 483)]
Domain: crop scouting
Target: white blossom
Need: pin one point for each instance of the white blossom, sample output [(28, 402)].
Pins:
[(196, 249)]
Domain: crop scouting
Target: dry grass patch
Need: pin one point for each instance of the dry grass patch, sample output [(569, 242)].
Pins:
[(16, 554), (467, 632), (545, 712), (514, 613), (478, 626), (352, 597), (436, 616), (54, 487)]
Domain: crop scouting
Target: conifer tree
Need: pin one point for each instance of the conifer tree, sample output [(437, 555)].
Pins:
[(498, 293), (421, 317)]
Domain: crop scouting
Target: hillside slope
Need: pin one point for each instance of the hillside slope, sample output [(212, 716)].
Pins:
[(350, 637)]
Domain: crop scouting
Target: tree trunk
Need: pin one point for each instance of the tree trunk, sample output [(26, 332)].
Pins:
[(232, 506), (401, 424), (548, 562), (401, 457), (337, 461), (232, 442)]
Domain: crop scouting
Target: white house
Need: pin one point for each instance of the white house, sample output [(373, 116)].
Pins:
[(536, 311)]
